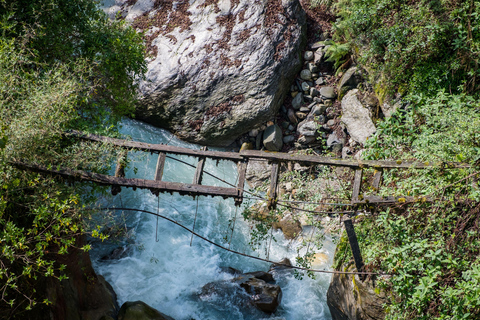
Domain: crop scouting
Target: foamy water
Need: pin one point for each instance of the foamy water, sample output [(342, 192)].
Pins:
[(167, 273)]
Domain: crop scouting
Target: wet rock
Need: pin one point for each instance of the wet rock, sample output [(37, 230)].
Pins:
[(306, 74), (272, 138), (328, 92), (119, 253), (280, 267), (139, 310), (297, 101), (217, 63), (290, 226), (356, 118), (262, 275)]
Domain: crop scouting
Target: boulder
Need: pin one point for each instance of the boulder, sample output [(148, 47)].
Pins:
[(272, 138), (216, 68), (139, 310), (356, 118), (291, 116), (334, 139), (290, 227), (308, 55), (349, 79), (348, 297), (306, 74), (389, 108)]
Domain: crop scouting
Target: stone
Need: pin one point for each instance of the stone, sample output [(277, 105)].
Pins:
[(320, 119), (304, 110), (348, 297), (318, 44), (253, 133), (258, 141), (288, 139), (346, 151), (348, 79), (328, 92), (319, 81), (300, 115), (308, 55), (356, 118), (262, 275), (291, 116), (318, 56), (306, 140), (257, 172), (119, 253), (288, 187), (306, 74), (214, 76), (319, 109), (139, 310), (272, 138), (297, 101), (285, 124), (334, 139), (307, 128), (308, 98), (246, 146), (314, 92), (290, 227), (313, 68), (280, 267), (291, 127), (331, 123), (389, 108), (305, 87)]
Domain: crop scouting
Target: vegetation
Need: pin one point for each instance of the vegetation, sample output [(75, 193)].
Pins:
[(427, 52), (63, 66)]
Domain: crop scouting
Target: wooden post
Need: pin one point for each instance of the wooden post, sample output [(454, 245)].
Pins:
[(160, 165), (357, 184), (377, 178), (242, 172), (272, 197), (352, 239), (119, 171), (197, 178)]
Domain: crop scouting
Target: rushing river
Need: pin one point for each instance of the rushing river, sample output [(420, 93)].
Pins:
[(168, 273)]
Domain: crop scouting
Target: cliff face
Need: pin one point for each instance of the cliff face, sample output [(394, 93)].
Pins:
[(350, 298)]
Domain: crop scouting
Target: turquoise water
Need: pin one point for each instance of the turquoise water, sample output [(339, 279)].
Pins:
[(167, 273)]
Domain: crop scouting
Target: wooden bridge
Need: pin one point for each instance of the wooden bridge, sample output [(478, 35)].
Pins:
[(156, 185)]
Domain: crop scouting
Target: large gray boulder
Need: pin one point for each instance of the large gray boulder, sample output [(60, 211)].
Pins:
[(216, 69), (356, 118)]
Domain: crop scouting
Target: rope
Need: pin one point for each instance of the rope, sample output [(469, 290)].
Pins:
[(243, 254), (233, 227), (158, 211)]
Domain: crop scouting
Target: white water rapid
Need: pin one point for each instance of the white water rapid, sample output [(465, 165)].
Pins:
[(169, 274)]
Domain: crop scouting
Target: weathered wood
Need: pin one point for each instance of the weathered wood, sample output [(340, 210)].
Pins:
[(197, 178), (242, 173), (392, 200), (160, 165), (152, 185), (272, 198), (151, 147), (352, 239), (312, 159), (119, 171), (357, 184), (377, 177)]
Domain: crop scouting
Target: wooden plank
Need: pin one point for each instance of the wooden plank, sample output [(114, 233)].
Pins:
[(151, 147), (357, 184), (272, 198), (197, 178), (242, 173), (392, 200), (312, 159), (160, 165), (352, 239), (152, 185), (377, 177)]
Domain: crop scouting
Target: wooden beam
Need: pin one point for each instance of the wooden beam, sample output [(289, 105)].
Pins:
[(151, 147), (152, 185), (352, 239), (272, 197), (242, 173), (377, 178), (312, 159), (197, 178), (160, 165), (357, 184)]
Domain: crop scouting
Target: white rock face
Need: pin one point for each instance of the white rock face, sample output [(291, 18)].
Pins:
[(216, 68), (356, 118)]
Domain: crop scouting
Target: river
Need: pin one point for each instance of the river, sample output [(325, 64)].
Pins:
[(166, 272)]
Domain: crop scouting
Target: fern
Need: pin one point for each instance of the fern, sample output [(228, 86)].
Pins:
[(339, 54)]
